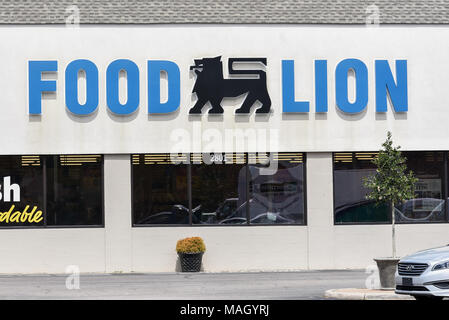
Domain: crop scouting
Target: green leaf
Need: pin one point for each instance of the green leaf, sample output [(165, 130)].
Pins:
[(391, 182)]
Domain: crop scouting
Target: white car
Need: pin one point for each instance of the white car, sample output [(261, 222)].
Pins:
[(425, 274)]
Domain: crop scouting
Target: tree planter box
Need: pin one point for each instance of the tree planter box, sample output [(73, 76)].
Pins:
[(387, 269), (191, 262)]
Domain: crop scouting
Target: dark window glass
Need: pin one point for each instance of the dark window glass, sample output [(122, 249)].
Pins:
[(74, 190), (159, 190), (219, 189), (351, 205), (22, 201), (428, 205), (277, 191), (51, 190), (213, 189)]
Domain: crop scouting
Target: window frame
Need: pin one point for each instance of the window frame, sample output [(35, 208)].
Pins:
[(45, 226), (189, 194)]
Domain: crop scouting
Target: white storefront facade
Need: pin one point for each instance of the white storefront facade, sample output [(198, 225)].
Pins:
[(91, 115)]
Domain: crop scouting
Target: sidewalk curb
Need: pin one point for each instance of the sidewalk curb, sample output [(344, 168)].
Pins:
[(364, 294)]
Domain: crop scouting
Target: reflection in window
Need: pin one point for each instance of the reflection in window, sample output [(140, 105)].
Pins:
[(351, 205), (66, 190), (159, 190), (277, 195), (219, 188), (428, 205)]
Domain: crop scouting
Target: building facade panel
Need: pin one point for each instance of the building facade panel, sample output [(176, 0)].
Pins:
[(55, 129), (110, 137)]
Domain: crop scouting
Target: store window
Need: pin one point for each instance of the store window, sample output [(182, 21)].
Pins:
[(278, 196), (63, 190), (351, 205), (74, 190), (159, 190), (218, 189), (428, 204), (22, 201)]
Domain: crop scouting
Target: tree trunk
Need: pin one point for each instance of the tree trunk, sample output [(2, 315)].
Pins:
[(393, 230)]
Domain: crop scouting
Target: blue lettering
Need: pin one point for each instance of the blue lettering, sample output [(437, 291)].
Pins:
[(36, 85), (71, 87), (288, 89), (385, 84), (155, 67), (341, 85), (320, 85), (112, 87)]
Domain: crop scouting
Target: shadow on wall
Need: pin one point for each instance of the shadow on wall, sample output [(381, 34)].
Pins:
[(82, 118), (163, 116), (178, 264), (351, 117), (45, 96), (396, 115)]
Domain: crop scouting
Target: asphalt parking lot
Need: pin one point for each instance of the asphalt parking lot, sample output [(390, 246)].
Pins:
[(170, 286)]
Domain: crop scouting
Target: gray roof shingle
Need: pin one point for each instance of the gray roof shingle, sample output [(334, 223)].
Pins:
[(225, 11)]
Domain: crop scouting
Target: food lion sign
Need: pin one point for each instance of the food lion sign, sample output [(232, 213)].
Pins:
[(211, 87), (127, 89)]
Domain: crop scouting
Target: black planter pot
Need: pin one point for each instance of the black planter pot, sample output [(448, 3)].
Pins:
[(190, 262)]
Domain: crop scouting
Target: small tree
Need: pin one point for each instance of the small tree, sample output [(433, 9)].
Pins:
[(391, 183)]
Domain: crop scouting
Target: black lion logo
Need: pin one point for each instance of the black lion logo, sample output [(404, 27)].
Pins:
[(210, 86)]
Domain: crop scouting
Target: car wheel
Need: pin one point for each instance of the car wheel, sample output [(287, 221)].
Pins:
[(420, 297)]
